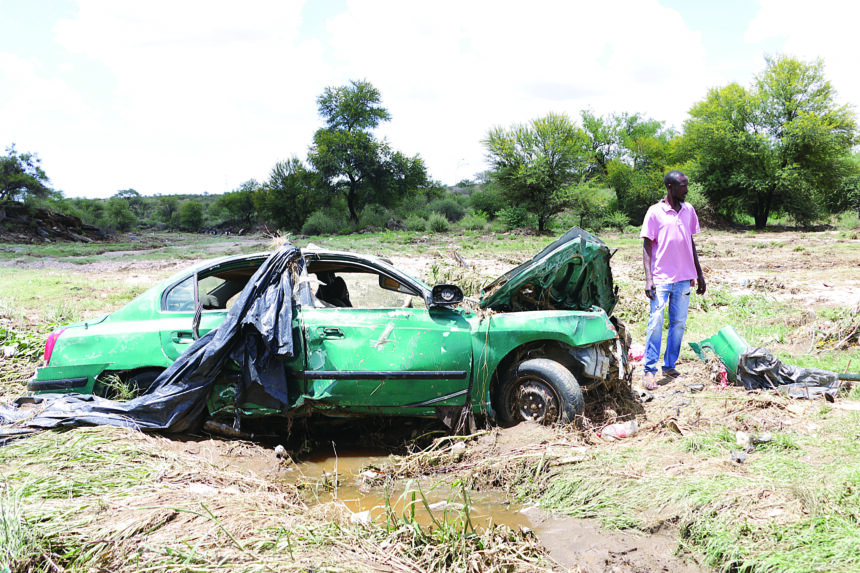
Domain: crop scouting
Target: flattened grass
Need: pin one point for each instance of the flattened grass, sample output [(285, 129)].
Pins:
[(793, 505), (114, 499)]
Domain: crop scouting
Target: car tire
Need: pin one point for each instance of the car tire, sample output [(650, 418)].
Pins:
[(144, 380), (540, 390)]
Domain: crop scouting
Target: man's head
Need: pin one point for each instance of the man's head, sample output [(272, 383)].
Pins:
[(676, 185)]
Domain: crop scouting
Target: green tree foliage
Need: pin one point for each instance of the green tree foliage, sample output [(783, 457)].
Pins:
[(168, 210), (536, 164), (590, 201), (191, 215), (635, 189), (630, 153), (118, 215), (781, 146), (138, 205), (21, 175), (449, 208), (489, 199), (238, 206), (350, 160), (90, 211), (849, 197), (290, 195)]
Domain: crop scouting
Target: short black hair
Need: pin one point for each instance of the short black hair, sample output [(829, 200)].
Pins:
[(673, 178)]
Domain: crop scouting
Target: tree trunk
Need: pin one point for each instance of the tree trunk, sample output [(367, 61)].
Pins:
[(762, 211), (350, 202)]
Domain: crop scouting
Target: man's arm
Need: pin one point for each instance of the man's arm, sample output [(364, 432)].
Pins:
[(700, 277), (646, 262)]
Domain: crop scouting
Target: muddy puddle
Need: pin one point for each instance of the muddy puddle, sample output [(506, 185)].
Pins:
[(352, 476)]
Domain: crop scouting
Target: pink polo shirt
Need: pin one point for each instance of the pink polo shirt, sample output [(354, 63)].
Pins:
[(671, 236)]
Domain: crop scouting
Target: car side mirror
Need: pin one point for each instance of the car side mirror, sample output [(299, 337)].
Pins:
[(446, 295)]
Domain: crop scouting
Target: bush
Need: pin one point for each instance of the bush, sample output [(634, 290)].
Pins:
[(325, 222), (450, 208), (490, 201), (514, 217), (616, 220), (474, 222), (373, 215), (848, 221), (415, 223), (438, 223)]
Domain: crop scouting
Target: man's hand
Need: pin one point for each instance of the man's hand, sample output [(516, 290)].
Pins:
[(700, 289), (650, 289)]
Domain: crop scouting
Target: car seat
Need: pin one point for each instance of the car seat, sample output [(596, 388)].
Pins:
[(334, 291)]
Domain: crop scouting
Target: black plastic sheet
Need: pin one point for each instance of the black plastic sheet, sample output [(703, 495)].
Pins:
[(256, 334), (758, 368)]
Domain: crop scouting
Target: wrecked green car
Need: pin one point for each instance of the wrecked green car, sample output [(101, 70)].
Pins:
[(371, 340)]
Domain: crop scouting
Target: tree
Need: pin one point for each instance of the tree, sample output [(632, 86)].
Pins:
[(350, 160), (631, 153), (168, 210), (290, 195), (135, 202), (191, 215), (21, 174), (781, 146), (119, 215), (536, 164), (238, 206)]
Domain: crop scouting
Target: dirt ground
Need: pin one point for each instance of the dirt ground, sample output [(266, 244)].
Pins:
[(809, 270)]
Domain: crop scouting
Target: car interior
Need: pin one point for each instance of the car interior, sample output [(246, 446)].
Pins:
[(337, 284)]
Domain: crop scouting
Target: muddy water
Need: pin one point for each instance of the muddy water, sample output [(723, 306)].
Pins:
[(361, 489), (581, 544)]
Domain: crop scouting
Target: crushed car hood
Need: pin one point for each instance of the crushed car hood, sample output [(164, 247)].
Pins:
[(572, 273)]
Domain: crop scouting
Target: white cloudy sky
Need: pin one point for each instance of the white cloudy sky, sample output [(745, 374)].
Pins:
[(193, 96)]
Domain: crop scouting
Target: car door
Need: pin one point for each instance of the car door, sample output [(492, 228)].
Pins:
[(378, 355), (216, 288)]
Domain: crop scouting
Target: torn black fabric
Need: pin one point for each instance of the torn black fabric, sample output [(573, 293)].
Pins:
[(758, 368), (257, 334)]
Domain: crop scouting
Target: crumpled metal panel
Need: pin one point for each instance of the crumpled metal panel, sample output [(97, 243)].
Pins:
[(572, 273)]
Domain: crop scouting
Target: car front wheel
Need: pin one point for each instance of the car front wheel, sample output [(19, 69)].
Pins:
[(540, 390)]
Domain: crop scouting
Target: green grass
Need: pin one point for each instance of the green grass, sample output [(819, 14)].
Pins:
[(793, 506), (54, 297)]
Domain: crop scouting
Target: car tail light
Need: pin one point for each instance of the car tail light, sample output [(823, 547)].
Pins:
[(49, 345)]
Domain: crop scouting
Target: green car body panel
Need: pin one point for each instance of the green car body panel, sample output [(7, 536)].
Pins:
[(387, 360)]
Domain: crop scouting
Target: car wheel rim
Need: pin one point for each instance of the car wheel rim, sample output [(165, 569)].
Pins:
[(536, 401)]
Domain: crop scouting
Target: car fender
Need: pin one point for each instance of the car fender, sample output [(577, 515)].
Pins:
[(497, 335)]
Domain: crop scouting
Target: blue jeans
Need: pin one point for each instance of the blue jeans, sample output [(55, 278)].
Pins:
[(675, 296)]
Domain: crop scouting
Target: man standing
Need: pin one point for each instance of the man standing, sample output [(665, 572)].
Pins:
[(671, 268)]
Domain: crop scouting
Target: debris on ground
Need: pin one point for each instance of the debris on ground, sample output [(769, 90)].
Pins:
[(756, 368)]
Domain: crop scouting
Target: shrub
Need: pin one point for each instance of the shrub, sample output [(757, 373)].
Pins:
[(325, 222), (438, 223), (416, 223), (474, 222), (514, 217), (490, 201), (616, 220), (373, 215), (848, 221), (450, 208)]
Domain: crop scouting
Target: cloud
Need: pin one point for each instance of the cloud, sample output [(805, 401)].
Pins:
[(825, 29), (203, 95)]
